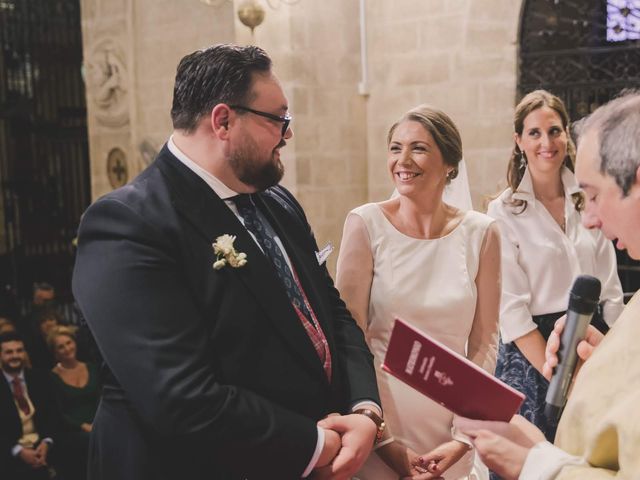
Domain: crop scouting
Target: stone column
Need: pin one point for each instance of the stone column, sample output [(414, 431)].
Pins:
[(131, 50)]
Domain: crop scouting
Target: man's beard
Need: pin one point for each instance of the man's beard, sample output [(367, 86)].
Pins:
[(12, 369), (251, 169)]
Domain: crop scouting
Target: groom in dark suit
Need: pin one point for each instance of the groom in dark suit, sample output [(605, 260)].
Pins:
[(224, 339)]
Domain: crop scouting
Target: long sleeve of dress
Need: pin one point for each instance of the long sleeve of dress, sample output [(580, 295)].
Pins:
[(483, 339), (355, 269)]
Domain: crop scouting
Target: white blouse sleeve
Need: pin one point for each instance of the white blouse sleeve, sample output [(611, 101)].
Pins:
[(607, 272), (515, 316)]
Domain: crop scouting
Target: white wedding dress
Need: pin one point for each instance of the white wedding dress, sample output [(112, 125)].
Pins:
[(420, 281), (430, 284)]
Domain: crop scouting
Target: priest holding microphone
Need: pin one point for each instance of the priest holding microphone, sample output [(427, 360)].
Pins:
[(599, 432)]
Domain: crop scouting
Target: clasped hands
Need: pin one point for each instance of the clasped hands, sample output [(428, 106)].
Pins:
[(429, 466), (35, 457), (348, 440)]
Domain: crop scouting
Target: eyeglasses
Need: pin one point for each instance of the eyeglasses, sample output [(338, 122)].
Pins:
[(285, 120)]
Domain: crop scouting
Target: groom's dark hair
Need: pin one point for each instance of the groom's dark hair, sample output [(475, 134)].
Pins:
[(219, 74)]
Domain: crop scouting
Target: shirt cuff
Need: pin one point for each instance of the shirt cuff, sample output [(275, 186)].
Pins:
[(16, 450), (515, 324), (545, 461), (370, 404), (316, 454)]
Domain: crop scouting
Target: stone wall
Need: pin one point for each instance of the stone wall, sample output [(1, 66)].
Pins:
[(458, 55), (316, 49), (131, 49)]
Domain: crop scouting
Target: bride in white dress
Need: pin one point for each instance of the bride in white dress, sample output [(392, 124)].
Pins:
[(417, 258)]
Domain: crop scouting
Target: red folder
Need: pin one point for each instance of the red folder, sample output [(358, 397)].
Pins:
[(447, 377)]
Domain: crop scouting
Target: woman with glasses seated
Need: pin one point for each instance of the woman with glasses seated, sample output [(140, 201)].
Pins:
[(435, 266)]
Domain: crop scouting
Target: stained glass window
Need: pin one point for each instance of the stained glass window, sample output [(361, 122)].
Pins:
[(586, 52), (623, 20)]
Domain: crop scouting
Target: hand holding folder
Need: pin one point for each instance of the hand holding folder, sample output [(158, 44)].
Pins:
[(447, 377)]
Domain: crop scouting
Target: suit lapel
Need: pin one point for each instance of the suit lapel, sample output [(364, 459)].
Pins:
[(10, 413), (211, 217)]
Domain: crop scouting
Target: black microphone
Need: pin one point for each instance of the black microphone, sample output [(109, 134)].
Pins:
[(583, 300)]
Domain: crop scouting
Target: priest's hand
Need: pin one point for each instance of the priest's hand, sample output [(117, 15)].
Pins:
[(585, 347)]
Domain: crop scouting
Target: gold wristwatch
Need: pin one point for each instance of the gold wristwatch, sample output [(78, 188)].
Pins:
[(379, 421)]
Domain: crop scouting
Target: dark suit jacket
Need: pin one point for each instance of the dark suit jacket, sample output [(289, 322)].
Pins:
[(46, 418), (211, 373)]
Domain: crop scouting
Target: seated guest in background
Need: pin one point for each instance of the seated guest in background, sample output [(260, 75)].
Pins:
[(599, 432), (28, 416), (6, 325), (42, 324), (544, 248), (76, 383), (44, 298), (416, 258), (43, 294)]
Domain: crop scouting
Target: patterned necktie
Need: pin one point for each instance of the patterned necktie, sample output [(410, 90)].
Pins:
[(18, 395), (266, 238)]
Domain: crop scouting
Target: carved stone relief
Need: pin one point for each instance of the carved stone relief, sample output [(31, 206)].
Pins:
[(106, 77)]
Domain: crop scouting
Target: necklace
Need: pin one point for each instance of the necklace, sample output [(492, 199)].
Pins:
[(62, 367)]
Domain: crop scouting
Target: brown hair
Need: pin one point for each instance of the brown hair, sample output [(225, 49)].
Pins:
[(6, 325), (442, 129), (515, 171), (47, 313)]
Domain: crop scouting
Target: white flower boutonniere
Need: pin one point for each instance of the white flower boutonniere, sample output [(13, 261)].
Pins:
[(226, 253)]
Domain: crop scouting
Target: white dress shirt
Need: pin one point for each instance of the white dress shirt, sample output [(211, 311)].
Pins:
[(225, 193), (540, 262)]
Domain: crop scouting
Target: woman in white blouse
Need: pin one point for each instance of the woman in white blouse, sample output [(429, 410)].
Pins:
[(544, 248)]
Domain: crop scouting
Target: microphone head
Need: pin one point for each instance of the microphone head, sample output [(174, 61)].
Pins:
[(585, 294)]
